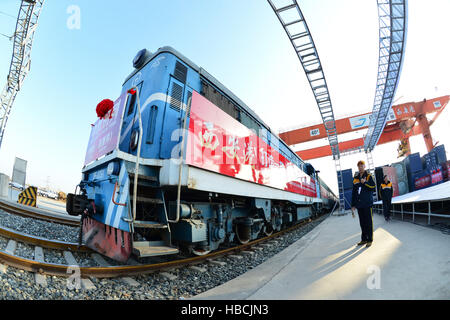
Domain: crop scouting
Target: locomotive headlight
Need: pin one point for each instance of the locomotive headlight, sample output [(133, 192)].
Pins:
[(140, 58), (113, 169)]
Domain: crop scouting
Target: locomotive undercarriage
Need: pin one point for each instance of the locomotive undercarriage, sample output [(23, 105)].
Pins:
[(209, 220), (204, 221)]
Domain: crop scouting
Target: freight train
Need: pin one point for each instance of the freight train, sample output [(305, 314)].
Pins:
[(179, 163)]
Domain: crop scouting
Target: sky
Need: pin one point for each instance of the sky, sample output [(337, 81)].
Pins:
[(241, 43)]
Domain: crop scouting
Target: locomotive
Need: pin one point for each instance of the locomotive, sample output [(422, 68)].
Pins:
[(179, 163)]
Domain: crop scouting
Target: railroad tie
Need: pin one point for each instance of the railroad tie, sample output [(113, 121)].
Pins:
[(100, 260), (11, 247), (103, 263), (39, 256), (217, 263), (168, 275), (234, 256), (198, 269), (70, 259), (130, 281), (258, 248), (85, 283)]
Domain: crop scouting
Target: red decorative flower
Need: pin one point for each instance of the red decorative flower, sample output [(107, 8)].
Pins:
[(103, 107)]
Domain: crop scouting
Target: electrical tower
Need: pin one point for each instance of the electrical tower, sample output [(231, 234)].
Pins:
[(26, 25)]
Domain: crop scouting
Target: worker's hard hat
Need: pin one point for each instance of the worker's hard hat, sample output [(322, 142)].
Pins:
[(361, 162)]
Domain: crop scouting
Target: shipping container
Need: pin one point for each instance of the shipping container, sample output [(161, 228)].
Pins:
[(446, 170), (402, 177), (347, 179), (441, 155), (403, 187), (348, 198), (436, 176), (429, 161), (413, 163), (412, 180), (422, 181)]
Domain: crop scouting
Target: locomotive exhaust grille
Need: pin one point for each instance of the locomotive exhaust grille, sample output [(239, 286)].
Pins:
[(180, 72), (176, 96)]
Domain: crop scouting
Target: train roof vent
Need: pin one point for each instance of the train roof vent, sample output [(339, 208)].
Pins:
[(180, 72)]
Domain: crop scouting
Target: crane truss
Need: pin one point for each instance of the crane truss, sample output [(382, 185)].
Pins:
[(294, 23), (392, 16), (21, 58)]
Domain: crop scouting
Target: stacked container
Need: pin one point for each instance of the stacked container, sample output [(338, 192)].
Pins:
[(422, 181), (413, 165), (441, 156), (347, 180), (402, 177), (446, 170), (436, 175), (434, 164), (429, 161)]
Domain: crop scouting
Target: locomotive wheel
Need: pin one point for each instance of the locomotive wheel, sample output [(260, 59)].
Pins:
[(268, 229), (200, 252), (243, 233)]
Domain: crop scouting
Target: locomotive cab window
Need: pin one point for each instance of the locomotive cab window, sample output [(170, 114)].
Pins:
[(131, 102)]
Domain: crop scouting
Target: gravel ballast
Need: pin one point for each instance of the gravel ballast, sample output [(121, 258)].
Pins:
[(19, 284)]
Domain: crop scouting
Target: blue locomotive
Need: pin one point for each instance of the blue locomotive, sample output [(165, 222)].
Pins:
[(180, 163)]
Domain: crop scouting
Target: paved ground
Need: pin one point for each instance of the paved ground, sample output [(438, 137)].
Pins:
[(50, 204), (406, 261)]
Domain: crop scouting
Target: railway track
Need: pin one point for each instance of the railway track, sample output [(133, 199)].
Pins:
[(35, 213), (39, 265)]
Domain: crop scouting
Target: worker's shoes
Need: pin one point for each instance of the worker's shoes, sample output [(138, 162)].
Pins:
[(361, 243), (368, 244)]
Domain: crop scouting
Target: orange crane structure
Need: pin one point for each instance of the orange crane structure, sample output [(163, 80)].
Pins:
[(404, 120)]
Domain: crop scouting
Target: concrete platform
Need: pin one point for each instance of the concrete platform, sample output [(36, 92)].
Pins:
[(405, 261), (42, 209)]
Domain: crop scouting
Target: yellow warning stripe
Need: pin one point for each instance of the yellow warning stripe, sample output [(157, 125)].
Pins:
[(29, 193), (26, 201)]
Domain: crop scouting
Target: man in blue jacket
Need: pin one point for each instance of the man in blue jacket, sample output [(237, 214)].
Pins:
[(362, 200)]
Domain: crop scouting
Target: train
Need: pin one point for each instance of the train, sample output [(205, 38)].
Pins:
[(178, 163)]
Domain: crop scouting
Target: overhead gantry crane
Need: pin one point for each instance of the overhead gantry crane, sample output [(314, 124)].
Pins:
[(293, 21), (404, 121), (26, 25), (392, 15)]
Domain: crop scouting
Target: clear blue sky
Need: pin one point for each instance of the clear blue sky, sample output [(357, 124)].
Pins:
[(240, 42)]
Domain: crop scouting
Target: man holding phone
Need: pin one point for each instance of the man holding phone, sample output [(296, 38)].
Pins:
[(362, 200)]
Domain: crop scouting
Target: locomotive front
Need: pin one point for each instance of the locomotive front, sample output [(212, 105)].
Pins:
[(145, 190)]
